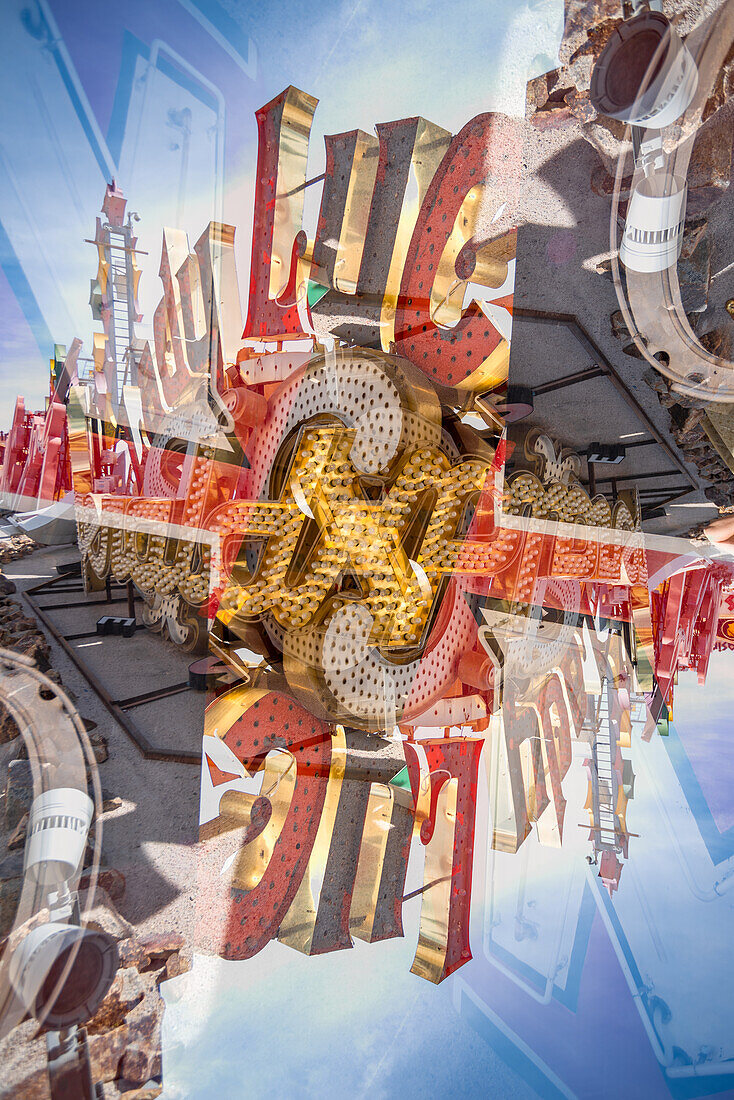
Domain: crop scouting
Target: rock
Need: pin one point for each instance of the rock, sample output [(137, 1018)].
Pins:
[(162, 945), (709, 469), (124, 994), (11, 866), (692, 422), (113, 882), (149, 1091), (633, 351), (723, 88), (693, 441), (536, 94), (17, 837), (176, 965), (687, 402), (562, 96), (694, 266), (718, 341), (105, 1053), (587, 27), (10, 891), (719, 494), (136, 1065), (580, 105), (17, 546), (101, 752), (142, 1029), (37, 648), (24, 1064), (552, 118), (656, 381), (619, 328), (103, 914), (8, 726), (99, 747), (709, 171), (132, 953), (18, 792), (110, 880), (145, 1021), (7, 587), (110, 802), (23, 623), (603, 183)]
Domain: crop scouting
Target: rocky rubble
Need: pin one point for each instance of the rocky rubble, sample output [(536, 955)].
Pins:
[(124, 1037), (561, 98), (17, 546)]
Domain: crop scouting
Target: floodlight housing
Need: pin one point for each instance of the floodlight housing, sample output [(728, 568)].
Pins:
[(38, 963), (58, 826), (644, 52), (653, 232)]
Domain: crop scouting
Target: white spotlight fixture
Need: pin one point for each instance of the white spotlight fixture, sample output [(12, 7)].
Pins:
[(653, 232), (58, 825), (644, 52)]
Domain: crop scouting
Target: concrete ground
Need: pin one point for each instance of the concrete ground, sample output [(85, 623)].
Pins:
[(151, 838)]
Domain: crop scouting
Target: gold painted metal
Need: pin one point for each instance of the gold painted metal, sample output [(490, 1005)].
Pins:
[(433, 935), (279, 782), (222, 714), (278, 785), (491, 372), (79, 442), (295, 129), (365, 894), (490, 269), (298, 926), (483, 405), (644, 639), (357, 208), (429, 147), (227, 652)]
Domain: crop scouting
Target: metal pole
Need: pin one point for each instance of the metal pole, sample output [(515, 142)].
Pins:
[(69, 1068)]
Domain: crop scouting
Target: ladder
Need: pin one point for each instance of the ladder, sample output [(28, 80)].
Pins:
[(604, 754), (120, 333)]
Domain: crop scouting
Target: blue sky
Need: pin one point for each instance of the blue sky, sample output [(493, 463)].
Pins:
[(86, 91), (703, 718)]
